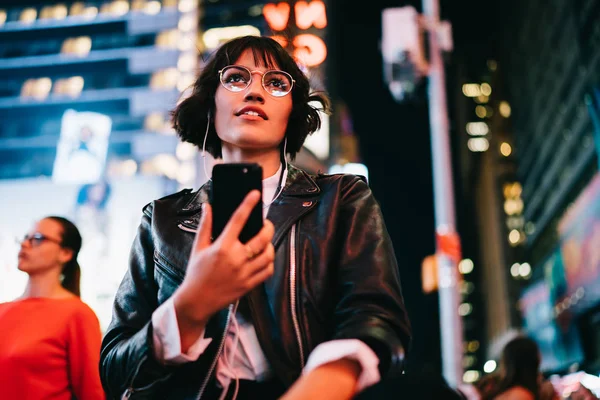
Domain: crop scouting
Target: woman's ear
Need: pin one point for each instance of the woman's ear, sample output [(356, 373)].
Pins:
[(65, 255)]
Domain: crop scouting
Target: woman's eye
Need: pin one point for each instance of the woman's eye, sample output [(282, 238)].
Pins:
[(235, 78)]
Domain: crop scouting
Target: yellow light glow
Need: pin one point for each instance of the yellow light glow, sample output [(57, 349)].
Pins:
[(477, 128), (478, 145), (480, 111), (154, 122), (516, 189), (525, 270), (213, 37), (492, 65), (187, 5), (514, 270), (486, 89), (505, 149), (504, 109), (482, 99), (187, 62), (471, 90), (514, 236), (473, 346), (465, 309), (28, 15), (152, 7), (489, 366), (186, 23), (185, 81), (471, 376), (2, 17), (466, 266)]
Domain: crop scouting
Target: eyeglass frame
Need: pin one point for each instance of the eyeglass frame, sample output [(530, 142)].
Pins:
[(37, 239), (262, 79)]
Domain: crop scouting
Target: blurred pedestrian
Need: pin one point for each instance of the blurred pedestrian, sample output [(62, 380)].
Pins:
[(50, 347), (520, 376)]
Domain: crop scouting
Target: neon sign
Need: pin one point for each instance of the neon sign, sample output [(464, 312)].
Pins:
[(309, 48)]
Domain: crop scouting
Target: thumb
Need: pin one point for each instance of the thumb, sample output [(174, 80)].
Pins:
[(204, 231)]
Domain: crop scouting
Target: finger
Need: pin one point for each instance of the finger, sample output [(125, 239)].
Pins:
[(202, 238), (261, 276), (260, 261), (240, 216), (259, 242)]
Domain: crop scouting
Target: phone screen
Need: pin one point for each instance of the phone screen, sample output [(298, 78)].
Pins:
[(231, 183)]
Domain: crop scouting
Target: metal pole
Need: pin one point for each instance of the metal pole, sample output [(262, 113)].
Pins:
[(450, 321)]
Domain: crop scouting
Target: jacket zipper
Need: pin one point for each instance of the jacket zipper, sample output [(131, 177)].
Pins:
[(185, 228), (214, 363), (130, 390), (293, 292), (178, 278)]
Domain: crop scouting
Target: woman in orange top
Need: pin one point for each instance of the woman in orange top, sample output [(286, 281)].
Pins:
[(50, 347)]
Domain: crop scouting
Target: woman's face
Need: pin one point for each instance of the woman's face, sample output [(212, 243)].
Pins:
[(42, 251), (238, 129)]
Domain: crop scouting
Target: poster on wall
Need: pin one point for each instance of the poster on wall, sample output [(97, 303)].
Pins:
[(579, 232), (82, 147)]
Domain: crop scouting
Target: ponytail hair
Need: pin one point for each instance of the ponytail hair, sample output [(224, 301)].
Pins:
[(71, 239)]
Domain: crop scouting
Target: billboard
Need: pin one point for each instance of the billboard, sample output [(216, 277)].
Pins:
[(579, 232), (82, 147)]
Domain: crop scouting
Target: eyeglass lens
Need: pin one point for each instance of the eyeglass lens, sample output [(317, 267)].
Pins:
[(236, 79)]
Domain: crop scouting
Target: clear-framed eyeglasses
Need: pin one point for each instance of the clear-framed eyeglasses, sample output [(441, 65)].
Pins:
[(236, 78)]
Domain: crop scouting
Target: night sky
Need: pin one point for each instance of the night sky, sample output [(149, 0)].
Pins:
[(395, 145)]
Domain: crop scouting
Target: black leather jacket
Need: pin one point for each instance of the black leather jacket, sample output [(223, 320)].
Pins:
[(335, 277)]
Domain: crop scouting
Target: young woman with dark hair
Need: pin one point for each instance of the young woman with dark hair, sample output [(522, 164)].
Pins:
[(50, 339), (320, 314), (519, 377)]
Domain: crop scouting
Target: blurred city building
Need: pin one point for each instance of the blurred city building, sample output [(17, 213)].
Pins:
[(526, 146)]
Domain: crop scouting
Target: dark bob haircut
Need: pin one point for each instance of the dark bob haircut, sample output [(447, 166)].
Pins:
[(190, 117)]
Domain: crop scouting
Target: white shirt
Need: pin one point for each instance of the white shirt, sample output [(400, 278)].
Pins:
[(247, 360)]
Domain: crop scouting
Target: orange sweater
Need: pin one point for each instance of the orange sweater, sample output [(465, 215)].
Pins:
[(49, 349)]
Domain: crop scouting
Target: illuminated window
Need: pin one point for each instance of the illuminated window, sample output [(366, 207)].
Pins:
[(71, 87), (169, 3), (185, 81), (187, 5), (186, 62), (58, 11), (186, 23), (152, 7), (486, 89), (168, 39), (478, 145), (38, 89), (154, 122), (77, 8), (2, 17), (116, 7), (28, 15), (165, 79), (80, 46)]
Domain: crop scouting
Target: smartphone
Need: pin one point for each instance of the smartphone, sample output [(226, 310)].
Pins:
[(231, 183)]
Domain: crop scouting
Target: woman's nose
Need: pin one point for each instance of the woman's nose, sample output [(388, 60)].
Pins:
[(255, 91)]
